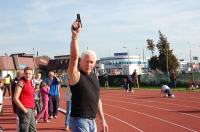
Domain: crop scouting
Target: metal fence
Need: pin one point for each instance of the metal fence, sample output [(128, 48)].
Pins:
[(155, 79)]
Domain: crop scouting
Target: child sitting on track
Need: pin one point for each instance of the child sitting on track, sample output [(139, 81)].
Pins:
[(166, 91)]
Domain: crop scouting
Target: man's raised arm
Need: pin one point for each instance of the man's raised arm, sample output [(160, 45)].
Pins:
[(73, 73)]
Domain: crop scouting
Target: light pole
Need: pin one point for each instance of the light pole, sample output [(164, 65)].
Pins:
[(191, 63), (139, 60), (167, 62), (128, 58)]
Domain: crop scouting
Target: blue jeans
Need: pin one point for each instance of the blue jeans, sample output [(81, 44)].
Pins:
[(173, 83), (83, 125), (68, 111)]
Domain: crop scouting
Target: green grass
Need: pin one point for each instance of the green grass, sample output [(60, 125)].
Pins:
[(156, 88)]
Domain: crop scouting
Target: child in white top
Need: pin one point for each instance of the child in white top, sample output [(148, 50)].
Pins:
[(166, 91)]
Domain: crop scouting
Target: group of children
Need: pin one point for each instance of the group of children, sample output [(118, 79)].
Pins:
[(41, 94), (44, 92), (41, 98)]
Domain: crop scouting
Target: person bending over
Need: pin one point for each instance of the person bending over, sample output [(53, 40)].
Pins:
[(166, 91)]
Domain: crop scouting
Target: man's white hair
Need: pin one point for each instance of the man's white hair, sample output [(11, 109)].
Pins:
[(89, 52)]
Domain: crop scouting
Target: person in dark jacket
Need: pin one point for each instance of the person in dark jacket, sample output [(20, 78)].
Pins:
[(13, 86)]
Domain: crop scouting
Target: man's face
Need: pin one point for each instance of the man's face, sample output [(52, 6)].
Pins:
[(28, 74), (51, 74), (87, 64), (20, 74)]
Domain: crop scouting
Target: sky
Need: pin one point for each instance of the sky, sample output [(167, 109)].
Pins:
[(109, 26)]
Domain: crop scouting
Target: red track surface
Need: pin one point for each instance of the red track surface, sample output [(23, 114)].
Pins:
[(144, 110)]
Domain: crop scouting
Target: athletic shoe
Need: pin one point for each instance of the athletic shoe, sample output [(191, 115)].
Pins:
[(172, 96), (47, 121), (67, 129)]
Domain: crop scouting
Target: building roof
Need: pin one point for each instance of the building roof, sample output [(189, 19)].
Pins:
[(41, 62), (57, 64), (26, 61), (6, 63), (16, 62)]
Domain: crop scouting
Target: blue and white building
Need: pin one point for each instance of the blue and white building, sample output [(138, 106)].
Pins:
[(122, 64)]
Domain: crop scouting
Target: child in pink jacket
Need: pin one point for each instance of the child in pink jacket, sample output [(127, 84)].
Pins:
[(45, 98)]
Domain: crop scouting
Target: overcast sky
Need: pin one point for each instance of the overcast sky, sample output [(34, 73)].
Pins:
[(108, 26)]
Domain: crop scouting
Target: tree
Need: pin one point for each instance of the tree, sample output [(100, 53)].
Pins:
[(166, 59), (163, 48), (150, 46), (154, 62), (173, 62)]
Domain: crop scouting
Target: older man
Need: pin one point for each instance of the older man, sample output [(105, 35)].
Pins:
[(85, 88)]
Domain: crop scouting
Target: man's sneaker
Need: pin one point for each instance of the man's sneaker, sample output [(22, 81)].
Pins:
[(55, 117), (47, 121), (51, 117), (67, 129), (1, 129), (132, 91)]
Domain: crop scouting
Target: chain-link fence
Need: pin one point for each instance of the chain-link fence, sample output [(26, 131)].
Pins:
[(156, 79)]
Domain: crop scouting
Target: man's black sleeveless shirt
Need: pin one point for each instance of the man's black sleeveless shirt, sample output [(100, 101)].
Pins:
[(85, 96)]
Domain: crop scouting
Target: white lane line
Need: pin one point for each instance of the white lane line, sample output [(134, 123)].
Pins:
[(64, 112), (155, 107), (124, 122), (158, 102), (152, 117), (188, 98), (138, 104), (191, 115), (182, 99)]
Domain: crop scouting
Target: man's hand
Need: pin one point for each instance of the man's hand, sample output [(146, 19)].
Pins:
[(104, 126), (26, 111), (76, 28)]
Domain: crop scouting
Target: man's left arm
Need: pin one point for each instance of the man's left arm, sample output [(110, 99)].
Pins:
[(101, 116)]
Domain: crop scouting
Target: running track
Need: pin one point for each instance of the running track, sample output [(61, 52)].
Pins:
[(143, 111)]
